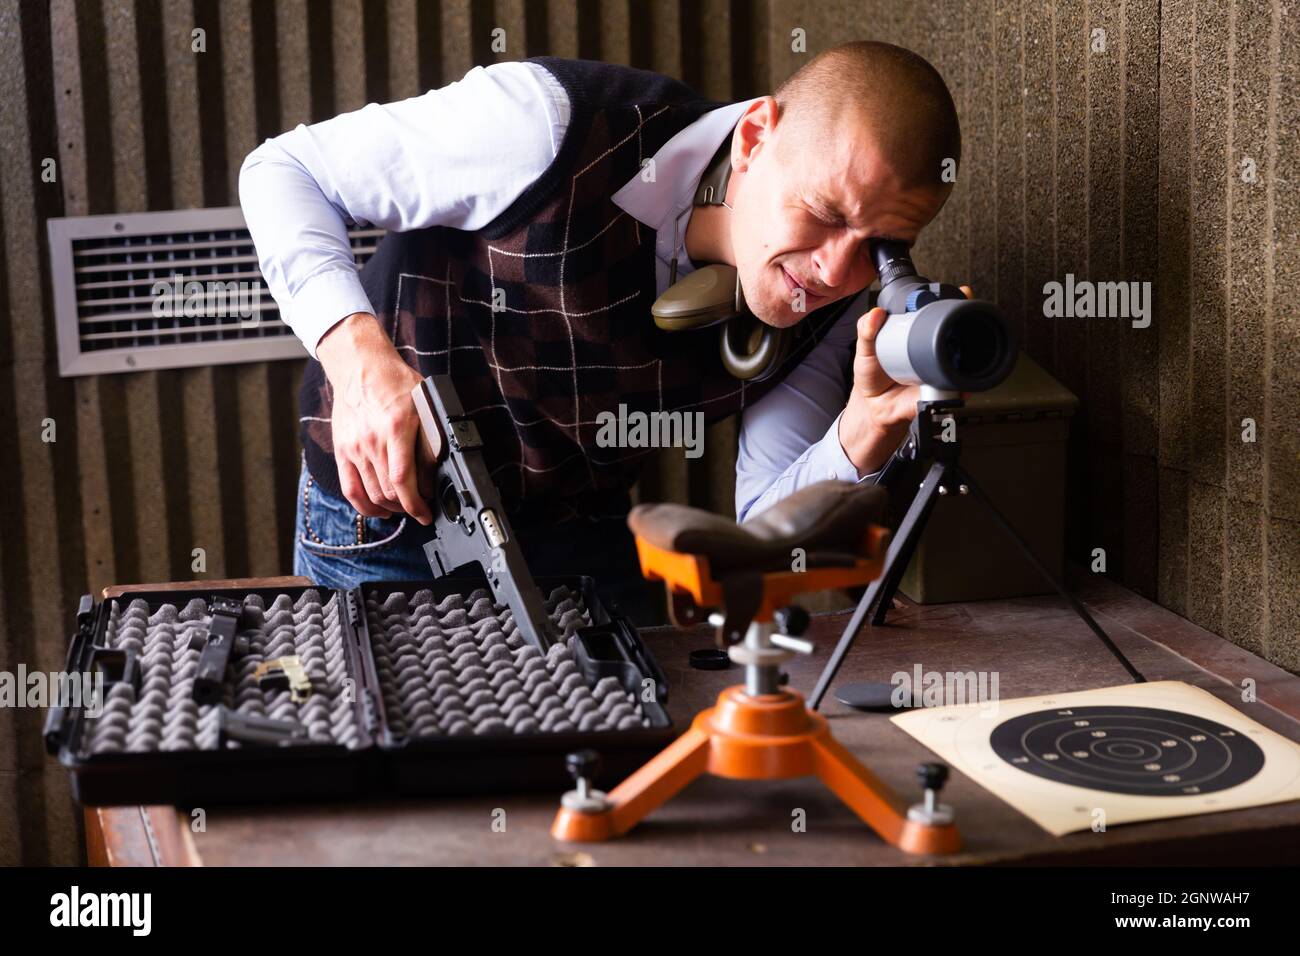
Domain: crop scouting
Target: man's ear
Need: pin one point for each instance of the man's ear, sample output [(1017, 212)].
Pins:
[(755, 128)]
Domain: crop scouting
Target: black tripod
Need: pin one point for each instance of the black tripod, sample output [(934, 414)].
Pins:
[(945, 475)]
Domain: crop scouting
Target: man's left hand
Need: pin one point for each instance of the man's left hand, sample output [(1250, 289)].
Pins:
[(879, 410)]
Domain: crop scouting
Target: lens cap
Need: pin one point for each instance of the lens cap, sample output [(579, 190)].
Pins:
[(867, 695), (710, 659)]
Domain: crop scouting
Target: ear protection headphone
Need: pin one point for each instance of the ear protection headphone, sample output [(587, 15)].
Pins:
[(750, 348)]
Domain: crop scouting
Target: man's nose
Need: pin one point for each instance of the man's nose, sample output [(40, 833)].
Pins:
[(834, 260)]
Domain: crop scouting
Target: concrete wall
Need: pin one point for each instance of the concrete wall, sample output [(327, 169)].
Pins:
[(1117, 164), (1138, 140)]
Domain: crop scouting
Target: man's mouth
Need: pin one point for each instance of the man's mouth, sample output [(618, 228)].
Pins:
[(793, 284)]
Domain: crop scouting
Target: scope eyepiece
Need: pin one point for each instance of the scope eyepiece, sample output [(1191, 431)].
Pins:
[(893, 260)]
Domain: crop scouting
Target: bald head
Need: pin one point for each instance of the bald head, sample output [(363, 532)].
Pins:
[(850, 149), (897, 98)]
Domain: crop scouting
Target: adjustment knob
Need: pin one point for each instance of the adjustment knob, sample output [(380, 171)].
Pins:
[(932, 776), (919, 298), (792, 620), (582, 764), (931, 812)]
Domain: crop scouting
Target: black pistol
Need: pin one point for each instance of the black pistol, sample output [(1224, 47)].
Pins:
[(469, 522), (223, 624)]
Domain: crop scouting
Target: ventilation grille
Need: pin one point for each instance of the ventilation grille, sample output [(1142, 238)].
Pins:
[(167, 290)]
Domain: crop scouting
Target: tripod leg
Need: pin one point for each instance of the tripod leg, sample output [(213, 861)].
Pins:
[(889, 581), (653, 784), (900, 552), (965, 478), (660, 779), (858, 788)]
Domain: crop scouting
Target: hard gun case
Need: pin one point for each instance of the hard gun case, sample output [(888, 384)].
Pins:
[(382, 759)]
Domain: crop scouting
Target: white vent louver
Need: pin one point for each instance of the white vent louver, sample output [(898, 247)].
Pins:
[(166, 290)]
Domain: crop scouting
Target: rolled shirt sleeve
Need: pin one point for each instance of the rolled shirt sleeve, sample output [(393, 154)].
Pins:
[(456, 156), (790, 437)]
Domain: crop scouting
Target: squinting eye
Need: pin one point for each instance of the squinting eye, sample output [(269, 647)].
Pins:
[(826, 219)]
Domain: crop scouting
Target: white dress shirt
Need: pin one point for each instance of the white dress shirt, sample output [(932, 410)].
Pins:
[(458, 157)]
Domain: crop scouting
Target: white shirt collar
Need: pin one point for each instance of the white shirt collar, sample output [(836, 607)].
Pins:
[(678, 166)]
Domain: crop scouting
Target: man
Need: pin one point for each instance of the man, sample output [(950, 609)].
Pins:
[(536, 209)]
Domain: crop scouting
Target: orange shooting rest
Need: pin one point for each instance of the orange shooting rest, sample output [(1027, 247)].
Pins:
[(760, 730)]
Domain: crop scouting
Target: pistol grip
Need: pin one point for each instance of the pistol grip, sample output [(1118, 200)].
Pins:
[(430, 443)]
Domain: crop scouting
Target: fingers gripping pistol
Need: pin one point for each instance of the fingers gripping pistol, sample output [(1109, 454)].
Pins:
[(469, 522)]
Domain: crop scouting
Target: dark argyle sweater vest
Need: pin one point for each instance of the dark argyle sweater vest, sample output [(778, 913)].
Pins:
[(572, 278)]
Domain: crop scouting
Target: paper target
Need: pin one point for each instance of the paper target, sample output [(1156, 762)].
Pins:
[(1138, 750), (1118, 754)]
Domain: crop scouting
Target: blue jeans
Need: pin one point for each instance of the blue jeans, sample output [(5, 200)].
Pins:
[(336, 547)]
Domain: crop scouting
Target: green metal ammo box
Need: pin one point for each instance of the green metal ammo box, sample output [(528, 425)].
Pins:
[(1013, 442)]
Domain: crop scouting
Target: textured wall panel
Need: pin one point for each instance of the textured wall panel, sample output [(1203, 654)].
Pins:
[(1140, 355), (1101, 398), (1122, 163)]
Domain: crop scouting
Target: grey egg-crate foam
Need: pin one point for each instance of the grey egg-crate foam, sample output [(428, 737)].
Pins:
[(164, 717), (459, 666)]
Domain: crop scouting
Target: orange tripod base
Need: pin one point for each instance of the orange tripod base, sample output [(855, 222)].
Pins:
[(772, 737)]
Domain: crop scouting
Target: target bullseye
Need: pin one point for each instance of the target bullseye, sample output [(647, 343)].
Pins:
[(1135, 750)]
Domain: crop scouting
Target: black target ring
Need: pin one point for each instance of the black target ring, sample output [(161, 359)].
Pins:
[(1136, 750)]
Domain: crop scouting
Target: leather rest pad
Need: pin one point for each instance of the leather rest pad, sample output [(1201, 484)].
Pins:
[(827, 519)]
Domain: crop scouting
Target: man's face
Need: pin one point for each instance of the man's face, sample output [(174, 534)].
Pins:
[(804, 208)]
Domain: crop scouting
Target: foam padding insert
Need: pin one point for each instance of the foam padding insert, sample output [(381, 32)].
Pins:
[(459, 666), (163, 716)]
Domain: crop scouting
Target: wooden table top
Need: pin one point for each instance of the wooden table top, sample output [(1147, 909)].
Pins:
[(1035, 644)]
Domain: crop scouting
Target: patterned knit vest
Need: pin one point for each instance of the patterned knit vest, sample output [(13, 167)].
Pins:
[(542, 318)]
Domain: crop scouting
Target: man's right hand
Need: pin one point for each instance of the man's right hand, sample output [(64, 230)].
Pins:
[(375, 424)]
